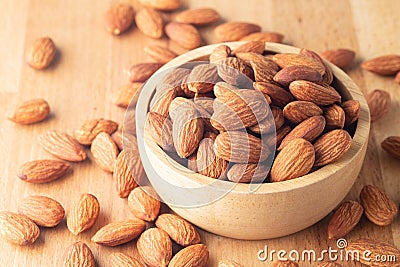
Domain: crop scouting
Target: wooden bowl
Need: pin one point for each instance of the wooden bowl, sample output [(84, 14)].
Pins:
[(273, 209)]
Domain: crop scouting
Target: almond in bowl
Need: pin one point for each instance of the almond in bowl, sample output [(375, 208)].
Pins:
[(264, 161)]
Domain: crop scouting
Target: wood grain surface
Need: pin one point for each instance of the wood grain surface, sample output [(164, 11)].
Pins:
[(91, 64)]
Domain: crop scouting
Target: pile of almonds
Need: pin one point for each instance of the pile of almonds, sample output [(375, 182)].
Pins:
[(304, 108)]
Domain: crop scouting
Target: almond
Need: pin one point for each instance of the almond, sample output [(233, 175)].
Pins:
[(235, 30), (119, 18), (248, 57), (334, 117), (144, 203), (63, 146), (44, 211), (345, 218), (91, 128), (78, 255), (183, 34), (383, 65), (272, 37), (246, 173), (155, 247), (295, 160), (118, 259), (118, 139), (297, 72), (117, 233), (41, 53), (42, 171), (376, 249), (351, 110), (328, 264), (31, 111), (150, 22), (199, 16), (251, 46), (270, 123), (263, 68), (83, 214), (240, 147), (208, 163), (316, 93), (195, 255), (228, 263), (279, 96), (285, 60), (298, 111), (18, 229), (340, 57), (140, 72), (128, 171), (160, 129), (221, 52), (127, 95), (162, 101), (165, 5), (202, 78), (231, 70), (331, 146), (104, 151), (160, 54), (179, 230), (379, 207), (308, 129), (391, 145), (328, 76), (285, 264), (379, 102)]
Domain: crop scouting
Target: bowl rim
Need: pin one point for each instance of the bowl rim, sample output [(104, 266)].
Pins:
[(360, 138)]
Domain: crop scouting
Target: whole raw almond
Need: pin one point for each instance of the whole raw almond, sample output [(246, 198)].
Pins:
[(179, 230), (117, 233), (165, 5), (104, 151), (202, 78), (328, 76), (345, 218), (235, 30), (351, 110), (375, 249), (160, 129), (31, 111), (18, 229), (194, 255), (42, 171), (44, 211), (308, 129), (391, 145), (41, 53), (270, 124), (379, 102), (199, 16), (328, 264), (63, 146), (331, 146), (140, 72), (296, 159), (162, 101), (263, 68), (183, 34), (231, 70), (228, 263), (208, 163), (313, 92), (127, 95), (83, 214), (379, 207), (128, 171), (143, 202), (78, 255), (298, 111), (334, 117), (340, 57), (91, 128), (285, 60), (251, 46), (240, 147), (285, 264), (272, 37), (150, 22), (279, 96), (119, 259), (383, 65), (119, 18), (155, 247), (221, 52), (297, 72), (246, 173), (160, 54)]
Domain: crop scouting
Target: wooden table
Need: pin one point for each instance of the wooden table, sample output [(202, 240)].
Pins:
[(90, 66)]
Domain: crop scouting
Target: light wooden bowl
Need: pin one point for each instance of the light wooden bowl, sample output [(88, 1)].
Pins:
[(274, 209)]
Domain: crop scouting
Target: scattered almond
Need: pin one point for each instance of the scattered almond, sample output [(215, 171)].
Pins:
[(140, 72), (160, 54), (235, 30), (165, 5), (143, 202), (150, 22), (91, 128), (340, 57), (345, 218), (83, 214), (183, 34), (42, 171), (128, 171), (18, 229), (331, 146), (200, 16), (194, 255), (31, 111), (104, 151), (391, 145), (78, 255), (272, 37), (119, 18), (127, 95), (383, 65), (155, 247), (379, 102), (41, 53), (118, 259)]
